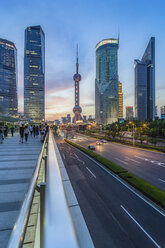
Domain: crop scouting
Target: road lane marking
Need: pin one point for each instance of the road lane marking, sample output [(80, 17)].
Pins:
[(121, 161), (151, 161), (79, 158), (147, 201), (133, 160), (162, 180), (140, 227), (91, 172), (63, 156)]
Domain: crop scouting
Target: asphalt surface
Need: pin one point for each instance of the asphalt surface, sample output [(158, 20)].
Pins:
[(116, 215), (148, 165)]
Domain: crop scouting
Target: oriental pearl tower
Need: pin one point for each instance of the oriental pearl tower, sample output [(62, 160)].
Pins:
[(77, 109)]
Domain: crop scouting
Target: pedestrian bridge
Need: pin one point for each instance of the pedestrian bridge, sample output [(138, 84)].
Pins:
[(38, 207)]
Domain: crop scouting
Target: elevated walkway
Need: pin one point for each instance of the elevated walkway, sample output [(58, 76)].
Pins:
[(17, 164)]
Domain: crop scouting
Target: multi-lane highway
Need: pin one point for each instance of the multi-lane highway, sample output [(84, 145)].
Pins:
[(117, 216), (146, 164)]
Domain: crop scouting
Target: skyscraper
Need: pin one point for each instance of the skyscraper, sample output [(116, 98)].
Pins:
[(34, 73), (77, 109), (120, 99), (145, 83), (106, 83), (8, 78), (129, 112)]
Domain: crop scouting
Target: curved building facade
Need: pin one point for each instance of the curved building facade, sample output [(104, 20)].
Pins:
[(8, 78), (34, 73), (106, 83)]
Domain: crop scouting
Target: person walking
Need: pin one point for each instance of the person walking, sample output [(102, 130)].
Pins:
[(34, 134), (1, 135), (26, 132), (31, 130), (21, 132), (12, 130), (5, 131)]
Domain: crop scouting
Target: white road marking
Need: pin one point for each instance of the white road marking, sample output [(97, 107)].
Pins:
[(140, 226), (151, 161), (91, 172), (76, 156), (126, 185), (121, 161), (161, 180), (133, 160), (63, 156), (79, 158)]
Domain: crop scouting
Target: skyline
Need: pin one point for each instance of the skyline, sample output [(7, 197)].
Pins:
[(62, 33)]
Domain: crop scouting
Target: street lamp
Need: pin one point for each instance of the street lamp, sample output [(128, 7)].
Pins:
[(133, 130)]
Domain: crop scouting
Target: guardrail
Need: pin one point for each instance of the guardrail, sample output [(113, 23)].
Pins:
[(18, 233), (58, 229)]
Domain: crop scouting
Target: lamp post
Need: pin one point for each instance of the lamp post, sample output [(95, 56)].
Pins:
[(133, 131)]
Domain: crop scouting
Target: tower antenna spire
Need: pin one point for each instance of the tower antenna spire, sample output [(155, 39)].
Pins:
[(77, 60)]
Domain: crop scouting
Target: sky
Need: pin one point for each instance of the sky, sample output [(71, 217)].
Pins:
[(86, 22)]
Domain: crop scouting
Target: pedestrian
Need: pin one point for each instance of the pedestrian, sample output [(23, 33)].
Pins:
[(21, 131), (12, 130), (42, 134), (31, 130), (1, 135), (37, 131), (26, 132), (5, 131), (34, 134)]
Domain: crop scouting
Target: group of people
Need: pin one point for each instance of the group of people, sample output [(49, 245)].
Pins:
[(34, 131), (4, 132)]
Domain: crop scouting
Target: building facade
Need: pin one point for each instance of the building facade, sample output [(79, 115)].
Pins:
[(120, 100), (34, 73), (145, 84), (129, 113), (162, 112), (8, 78), (106, 83)]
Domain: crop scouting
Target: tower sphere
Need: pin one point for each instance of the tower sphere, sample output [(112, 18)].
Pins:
[(77, 77), (77, 109)]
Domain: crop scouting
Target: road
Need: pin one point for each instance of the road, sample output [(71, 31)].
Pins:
[(116, 215), (146, 164)]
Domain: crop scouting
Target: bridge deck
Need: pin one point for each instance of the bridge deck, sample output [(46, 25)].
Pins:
[(17, 163)]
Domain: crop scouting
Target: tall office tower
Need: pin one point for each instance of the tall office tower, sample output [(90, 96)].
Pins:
[(120, 100), (145, 84), (129, 113), (8, 78), (34, 73), (106, 83), (162, 112), (77, 109), (68, 118)]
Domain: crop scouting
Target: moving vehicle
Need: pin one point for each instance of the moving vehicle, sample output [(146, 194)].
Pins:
[(98, 142), (91, 147), (104, 141)]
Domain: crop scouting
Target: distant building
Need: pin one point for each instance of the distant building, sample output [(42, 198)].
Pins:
[(145, 84), (106, 83), (8, 78), (34, 73), (57, 122), (156, 111), (120, 100), (129, 112), (84, 118), (64, 120), (162, 112), (68, 118)]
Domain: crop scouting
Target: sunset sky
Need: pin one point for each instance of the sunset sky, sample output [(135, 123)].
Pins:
[(85, 22)]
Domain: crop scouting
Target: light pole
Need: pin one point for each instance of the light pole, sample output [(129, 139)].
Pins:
[(133, 131)]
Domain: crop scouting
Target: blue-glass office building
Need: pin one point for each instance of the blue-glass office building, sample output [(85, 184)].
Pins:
[(106, 83), (8, 78), (34, 73), (145, 84)]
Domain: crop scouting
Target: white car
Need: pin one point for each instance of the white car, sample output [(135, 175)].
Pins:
[(104, 141)]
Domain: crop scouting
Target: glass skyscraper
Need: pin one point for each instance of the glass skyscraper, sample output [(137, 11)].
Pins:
[(8, 78), (145, 84), (106, 83), (34, 73)]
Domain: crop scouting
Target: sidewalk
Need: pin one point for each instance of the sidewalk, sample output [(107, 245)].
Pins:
[(17, 163)]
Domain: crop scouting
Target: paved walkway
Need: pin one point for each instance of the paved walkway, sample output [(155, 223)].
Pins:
[(17, 163)]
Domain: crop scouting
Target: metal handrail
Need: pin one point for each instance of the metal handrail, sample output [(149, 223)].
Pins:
[(17, 236), (58, 229)]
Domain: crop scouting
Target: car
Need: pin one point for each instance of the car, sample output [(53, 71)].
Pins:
[(91, 147), (98, 142), (104, 141)]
